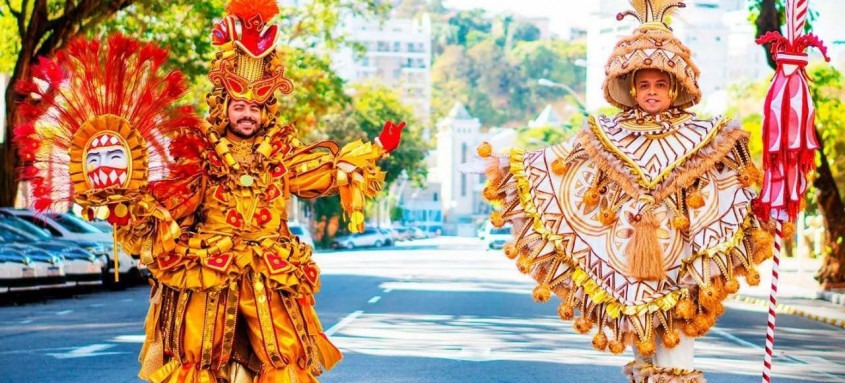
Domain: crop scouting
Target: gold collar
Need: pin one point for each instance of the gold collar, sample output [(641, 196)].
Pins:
[(638, 120)]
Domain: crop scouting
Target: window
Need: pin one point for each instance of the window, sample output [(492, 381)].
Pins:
[(463, 184), (435, 197), (75, 224), (396, 46)]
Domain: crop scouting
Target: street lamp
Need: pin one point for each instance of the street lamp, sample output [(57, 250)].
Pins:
[(552, 84)]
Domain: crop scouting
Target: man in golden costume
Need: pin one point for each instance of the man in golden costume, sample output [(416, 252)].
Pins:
[(202, 202), (643, 222)]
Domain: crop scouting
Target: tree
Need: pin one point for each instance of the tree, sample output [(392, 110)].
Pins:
[(372, 105), (768, 17)]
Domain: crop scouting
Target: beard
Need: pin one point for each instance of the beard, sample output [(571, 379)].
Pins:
[(240, 133)]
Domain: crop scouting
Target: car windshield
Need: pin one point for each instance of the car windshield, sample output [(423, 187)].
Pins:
[(500, 230), (76, 225), (26, 227), (11, 235)]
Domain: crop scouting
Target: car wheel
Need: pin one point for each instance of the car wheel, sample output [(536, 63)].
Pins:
[(350, 245), (378, 243)]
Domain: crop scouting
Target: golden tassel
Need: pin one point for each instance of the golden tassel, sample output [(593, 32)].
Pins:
[(600, 341), (763, 245), (644, 254), (695, 199)]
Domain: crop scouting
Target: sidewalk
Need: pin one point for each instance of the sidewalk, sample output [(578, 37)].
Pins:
[(798, 293)]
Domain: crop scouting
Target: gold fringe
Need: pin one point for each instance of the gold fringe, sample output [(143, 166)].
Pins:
[(643, 252)]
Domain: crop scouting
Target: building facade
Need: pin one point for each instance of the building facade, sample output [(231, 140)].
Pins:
[(398, 54)]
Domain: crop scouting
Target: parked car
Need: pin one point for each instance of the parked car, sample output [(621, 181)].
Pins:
[(16, 271), (496, 237), (81, 267), (390, 236), (369, 237), (49, 269), (96, 248), (302, 232), (71, 227), (417, 233), (403, 233)]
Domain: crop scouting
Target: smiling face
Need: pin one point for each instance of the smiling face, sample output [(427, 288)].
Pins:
[(244, 119), (106, 161), (652, 87)]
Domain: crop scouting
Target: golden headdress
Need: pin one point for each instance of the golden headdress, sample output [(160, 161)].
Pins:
[(247, 65), (651, 46)]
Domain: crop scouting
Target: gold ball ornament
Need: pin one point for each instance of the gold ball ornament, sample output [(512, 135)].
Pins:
[(496, 219), (680, 222), (510, 250), (559, 166), (565, 311), (583, 325), (592, 197), (121, 210), (709, 295), (695, 200), (607, 217), (600, 341), (490, 193), (752, 276), (524, 265), (616, 347), (732, 286), (542, 293), (685, 309), (485, 149), (646, 347), (671, 338)]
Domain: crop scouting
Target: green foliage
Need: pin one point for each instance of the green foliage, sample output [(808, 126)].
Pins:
[(492, 66), (827, 89), (780, 5), (10, 43), (541, 137)]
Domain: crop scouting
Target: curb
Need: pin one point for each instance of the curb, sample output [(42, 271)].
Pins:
[(787, 309), (836, 298)]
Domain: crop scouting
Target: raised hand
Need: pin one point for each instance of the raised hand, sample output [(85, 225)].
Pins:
[(390, 135)]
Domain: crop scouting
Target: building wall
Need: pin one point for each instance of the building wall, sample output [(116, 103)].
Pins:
[(398, 55)]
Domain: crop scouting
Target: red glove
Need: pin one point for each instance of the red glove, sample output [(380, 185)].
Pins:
[(390, 135)]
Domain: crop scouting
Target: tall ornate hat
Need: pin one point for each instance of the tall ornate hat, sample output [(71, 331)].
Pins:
[(652, 46), (247, 65)]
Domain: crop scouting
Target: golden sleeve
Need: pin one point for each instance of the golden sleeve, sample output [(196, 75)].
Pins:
[(322, 169)]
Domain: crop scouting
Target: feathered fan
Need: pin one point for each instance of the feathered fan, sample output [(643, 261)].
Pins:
[(98, 120)]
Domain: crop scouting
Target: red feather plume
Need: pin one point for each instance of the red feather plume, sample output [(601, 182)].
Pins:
[(123, 77)]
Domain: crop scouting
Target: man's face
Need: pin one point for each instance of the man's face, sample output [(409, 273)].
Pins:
[(652, 87), (244, 118)]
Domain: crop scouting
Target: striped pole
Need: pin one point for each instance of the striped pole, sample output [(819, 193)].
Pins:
[(773, 302)]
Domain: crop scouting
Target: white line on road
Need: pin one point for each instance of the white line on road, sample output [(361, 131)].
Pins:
[(28, 321), (746, 343), (86, 351), (374, 299), (387, 290), (64, 312), (343, 322)]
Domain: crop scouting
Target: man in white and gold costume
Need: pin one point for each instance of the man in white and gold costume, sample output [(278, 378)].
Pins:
[(643, 222)]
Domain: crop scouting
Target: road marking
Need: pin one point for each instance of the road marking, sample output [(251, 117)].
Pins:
[(387, 290), (374, 299), (64, 312), (97, 305), (28, 321), (127, 300), (343, 322), (746, 343), (86, 351), (129, 338)]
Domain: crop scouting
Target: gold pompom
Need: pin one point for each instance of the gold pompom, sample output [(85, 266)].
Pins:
[(740, 271), (695, 200), (559, 166), (496, 219), (788, 229), (680, 222), (703, 323), (592, 197), (490, 193), (565, 311), (690, 330), (510, 250), (718, 310), (763, 245), (607, 216), (583, 325), (600, 341), (709, 295), (745, 178), (485, 150), (685, 309), (752, 276), (671, 338), (542, 293), (523, 265), (732, 286), (616, 347), (646, 347)]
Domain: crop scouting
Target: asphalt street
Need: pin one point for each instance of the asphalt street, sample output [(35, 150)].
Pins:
[(438, 310)]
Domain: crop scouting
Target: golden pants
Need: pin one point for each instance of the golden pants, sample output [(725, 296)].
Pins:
[(229, 335)]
